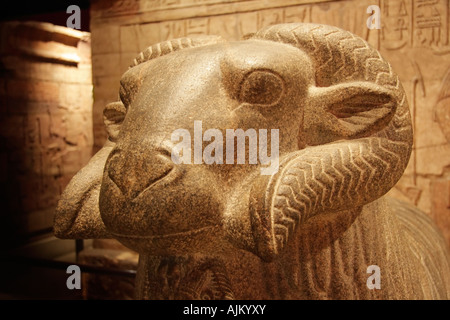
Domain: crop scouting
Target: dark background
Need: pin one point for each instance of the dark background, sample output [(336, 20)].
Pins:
[(45, 11)]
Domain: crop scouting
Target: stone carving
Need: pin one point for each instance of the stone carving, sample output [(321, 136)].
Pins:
[(442, 111), (190, 278), (308, 231), (46, 123)]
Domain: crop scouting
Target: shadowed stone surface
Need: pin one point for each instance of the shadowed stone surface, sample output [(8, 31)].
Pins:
[(45, 124), (225, 231)]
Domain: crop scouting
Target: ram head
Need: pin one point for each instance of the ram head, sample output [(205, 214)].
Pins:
[(343, 140)]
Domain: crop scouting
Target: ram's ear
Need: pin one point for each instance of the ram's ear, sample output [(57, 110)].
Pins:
[(347, 111), (113, 116), (77, 214)]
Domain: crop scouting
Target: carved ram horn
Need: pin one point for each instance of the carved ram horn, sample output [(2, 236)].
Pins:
[(330, 173)]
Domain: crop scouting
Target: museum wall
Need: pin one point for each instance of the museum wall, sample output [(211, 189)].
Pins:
[(45, 125), (414, 37)]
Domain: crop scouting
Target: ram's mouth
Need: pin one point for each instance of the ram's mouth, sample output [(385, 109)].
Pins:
[(168, 236), (170, 176)]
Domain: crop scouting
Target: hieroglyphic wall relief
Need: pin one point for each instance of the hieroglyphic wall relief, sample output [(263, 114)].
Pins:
[(46, 122), (442, 110), (415, 35), (415, 23)]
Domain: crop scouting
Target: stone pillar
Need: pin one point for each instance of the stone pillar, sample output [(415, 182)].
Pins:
[(46, 131)]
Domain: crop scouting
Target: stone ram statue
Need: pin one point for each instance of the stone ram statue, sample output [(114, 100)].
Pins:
[(311, 229)]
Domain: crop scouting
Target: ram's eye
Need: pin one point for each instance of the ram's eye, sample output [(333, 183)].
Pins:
[(262, 87)]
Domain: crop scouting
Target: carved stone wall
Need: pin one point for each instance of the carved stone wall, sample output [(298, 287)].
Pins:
[(45, 124), (414, 38)]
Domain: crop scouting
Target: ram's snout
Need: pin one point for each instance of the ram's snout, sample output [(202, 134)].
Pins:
[(139, 173), (147, 201)]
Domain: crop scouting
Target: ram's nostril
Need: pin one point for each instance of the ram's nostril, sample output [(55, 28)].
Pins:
[(132, 175)]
